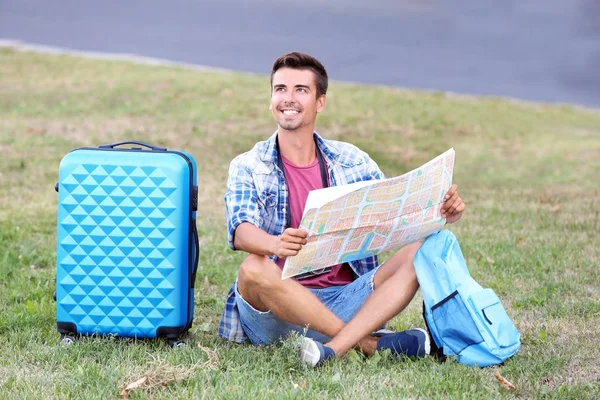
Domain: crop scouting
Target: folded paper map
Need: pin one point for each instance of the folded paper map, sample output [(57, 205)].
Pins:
[(351, 222)]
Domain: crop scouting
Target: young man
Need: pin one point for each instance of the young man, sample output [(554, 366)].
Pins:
[(266, 192)]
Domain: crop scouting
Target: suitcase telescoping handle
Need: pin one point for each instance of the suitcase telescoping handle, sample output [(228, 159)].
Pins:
[(113, 145)]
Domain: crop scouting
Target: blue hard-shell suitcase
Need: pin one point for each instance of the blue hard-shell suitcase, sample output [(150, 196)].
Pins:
[(127, 244)]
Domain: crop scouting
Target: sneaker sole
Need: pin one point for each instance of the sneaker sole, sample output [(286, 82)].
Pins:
[(309, 354), (427, 345)]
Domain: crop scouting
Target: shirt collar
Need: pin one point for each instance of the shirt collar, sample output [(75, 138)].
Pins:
[(328, 148)]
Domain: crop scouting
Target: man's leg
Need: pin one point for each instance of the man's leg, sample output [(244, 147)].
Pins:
[(395, 284), (261, 286)]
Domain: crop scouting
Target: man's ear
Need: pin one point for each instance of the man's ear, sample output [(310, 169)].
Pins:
[(321, 103), (270, 107)]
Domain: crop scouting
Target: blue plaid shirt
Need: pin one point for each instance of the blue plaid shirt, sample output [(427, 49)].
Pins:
[(257, 193)]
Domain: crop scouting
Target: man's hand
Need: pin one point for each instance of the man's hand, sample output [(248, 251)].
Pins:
[(453, 205), (290, 242)]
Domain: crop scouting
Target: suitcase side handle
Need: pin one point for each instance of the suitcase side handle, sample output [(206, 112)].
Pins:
[(113, 145), (196, 253)]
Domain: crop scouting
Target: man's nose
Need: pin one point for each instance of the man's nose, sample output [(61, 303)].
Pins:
[(289, 96)]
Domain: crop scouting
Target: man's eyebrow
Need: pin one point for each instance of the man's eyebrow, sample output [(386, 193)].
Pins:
[(281, 85)]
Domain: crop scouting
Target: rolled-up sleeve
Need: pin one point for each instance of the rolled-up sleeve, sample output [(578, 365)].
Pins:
[(241, 202), (368, 167), (373, 170)]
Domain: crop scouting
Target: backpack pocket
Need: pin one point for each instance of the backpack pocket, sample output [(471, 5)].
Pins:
[(454, 323), (492, 315)]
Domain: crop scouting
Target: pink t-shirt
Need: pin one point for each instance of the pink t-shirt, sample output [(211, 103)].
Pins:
[(301, 180)]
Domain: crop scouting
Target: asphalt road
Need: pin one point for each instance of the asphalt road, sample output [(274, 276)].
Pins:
[(541, 50)]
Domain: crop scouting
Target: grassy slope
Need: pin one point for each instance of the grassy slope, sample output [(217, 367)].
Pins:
[(527, 171)]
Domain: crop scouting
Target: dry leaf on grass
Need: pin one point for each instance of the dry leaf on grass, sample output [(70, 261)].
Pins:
[(488, 258), (301, 386), (164, 374), (35, 132), (503, 381), (548, 382), (133, 385), (213, 359), (555, 208)]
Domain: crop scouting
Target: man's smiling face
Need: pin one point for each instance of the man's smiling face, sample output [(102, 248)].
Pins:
[(294, 101)]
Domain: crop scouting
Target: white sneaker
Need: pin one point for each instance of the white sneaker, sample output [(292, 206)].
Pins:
[(314, 353)]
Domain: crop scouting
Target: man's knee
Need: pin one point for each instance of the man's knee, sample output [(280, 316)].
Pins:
[(407, 270), (408, 266), (256, 277), (257, 271), (411, 250)]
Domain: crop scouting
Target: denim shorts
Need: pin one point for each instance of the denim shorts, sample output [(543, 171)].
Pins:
[(344, 301)]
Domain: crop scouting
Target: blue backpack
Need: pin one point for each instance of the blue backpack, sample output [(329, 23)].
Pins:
[(463, 319)]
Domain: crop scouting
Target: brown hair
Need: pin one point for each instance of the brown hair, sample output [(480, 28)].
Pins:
[(297, 60)]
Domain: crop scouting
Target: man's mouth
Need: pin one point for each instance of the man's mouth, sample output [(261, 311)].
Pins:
[(289, 111)]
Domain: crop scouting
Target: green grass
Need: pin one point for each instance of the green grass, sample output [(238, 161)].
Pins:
[(528, 172)]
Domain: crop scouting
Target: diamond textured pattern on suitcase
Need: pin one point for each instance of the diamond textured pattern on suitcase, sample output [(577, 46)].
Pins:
[(116, 248)]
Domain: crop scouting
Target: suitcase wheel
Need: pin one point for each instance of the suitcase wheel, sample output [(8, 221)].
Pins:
[(176, 344), (67, 340)]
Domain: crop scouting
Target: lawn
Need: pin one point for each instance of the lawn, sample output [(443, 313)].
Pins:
[(528, 172)]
